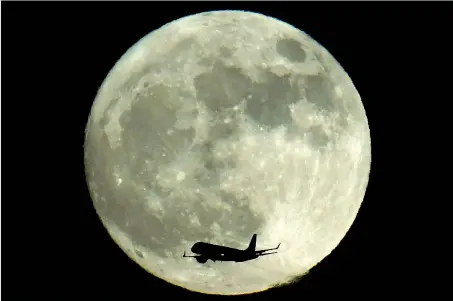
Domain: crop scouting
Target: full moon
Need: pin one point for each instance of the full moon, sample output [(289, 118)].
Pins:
[(219, 125)]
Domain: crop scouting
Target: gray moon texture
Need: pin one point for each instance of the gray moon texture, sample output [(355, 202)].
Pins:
[(220, 125)]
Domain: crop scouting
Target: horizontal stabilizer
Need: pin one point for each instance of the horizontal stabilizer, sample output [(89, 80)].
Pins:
[(262, 254)]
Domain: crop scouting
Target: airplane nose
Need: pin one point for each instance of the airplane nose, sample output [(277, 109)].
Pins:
[(195, 247)]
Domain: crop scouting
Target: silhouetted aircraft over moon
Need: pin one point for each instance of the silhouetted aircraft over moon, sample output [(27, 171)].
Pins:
[(215, 253)]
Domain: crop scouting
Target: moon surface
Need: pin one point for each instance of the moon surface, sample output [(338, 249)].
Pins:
[(220, 125)]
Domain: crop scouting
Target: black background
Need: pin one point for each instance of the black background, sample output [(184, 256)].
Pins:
[(56, 55)]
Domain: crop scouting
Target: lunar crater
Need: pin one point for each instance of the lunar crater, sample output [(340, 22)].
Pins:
[(221, 87), (319, 91), (291, 49)]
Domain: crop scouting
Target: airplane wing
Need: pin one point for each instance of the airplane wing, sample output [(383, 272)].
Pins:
[(260, 252)]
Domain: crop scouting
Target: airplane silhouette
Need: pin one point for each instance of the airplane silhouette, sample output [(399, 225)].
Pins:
[(215, 253)]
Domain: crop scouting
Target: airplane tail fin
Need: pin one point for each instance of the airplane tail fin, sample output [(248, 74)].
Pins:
[(252, 245)]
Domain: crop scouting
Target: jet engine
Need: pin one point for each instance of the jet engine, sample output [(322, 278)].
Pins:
[(201, 259)]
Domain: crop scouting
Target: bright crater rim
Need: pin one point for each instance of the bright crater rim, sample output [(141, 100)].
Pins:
[(220, 125)]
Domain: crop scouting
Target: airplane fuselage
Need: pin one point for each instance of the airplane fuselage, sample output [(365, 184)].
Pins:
[(221, 253), (206, 251)]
